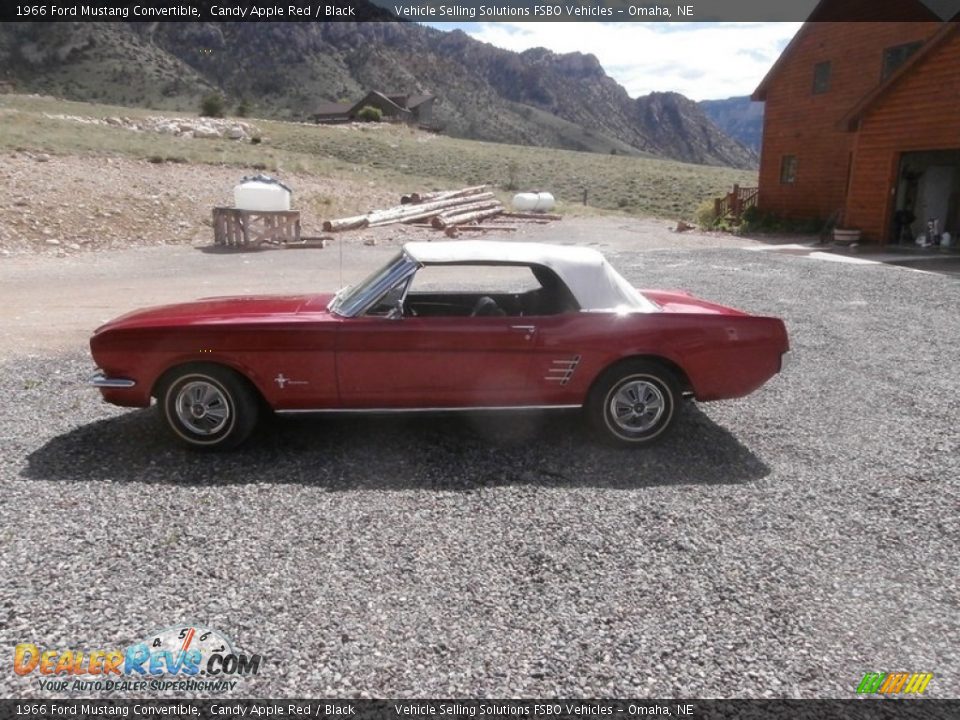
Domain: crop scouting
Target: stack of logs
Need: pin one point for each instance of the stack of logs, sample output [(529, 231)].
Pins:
[(447, 210)]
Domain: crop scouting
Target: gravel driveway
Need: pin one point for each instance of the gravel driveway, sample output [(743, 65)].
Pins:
[(779, 545)]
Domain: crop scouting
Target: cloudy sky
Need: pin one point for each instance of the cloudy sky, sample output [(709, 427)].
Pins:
[(700, 60)]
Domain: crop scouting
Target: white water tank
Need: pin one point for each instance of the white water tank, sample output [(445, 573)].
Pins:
[(533, 202), (261, 193)]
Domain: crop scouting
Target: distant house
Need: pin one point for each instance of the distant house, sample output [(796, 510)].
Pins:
[(412, 109), (862, 123), (331, 112)]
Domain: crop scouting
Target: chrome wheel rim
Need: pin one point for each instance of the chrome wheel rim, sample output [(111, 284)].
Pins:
[(637, 406), (202, 407)]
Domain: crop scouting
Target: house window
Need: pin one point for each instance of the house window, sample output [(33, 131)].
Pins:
[(788, 169), (821, 77), (894, 57)]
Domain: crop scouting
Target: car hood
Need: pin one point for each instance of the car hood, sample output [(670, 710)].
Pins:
[(222, 310)]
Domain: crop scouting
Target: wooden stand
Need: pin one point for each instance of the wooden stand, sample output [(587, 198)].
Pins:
[(252, 228)]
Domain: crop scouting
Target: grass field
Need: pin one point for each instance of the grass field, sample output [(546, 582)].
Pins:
[(405, 158)]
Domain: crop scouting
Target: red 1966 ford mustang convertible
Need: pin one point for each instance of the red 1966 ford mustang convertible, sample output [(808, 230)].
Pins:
[(542, 326)]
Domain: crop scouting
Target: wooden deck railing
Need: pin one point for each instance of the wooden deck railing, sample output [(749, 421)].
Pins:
[(735, 203)]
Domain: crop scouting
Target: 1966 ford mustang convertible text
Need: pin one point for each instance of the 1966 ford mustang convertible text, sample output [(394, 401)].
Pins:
[(541, 326)]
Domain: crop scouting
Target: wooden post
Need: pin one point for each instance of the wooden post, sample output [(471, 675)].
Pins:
[(440, 221), (444, 194), (531, 216), (401, 213), (446, 221)]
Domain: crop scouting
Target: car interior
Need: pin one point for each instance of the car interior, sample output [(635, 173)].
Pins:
[(543, 293), (549, 296)]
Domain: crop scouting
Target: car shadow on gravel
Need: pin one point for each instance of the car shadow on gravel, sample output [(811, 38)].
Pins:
[(439, 452)]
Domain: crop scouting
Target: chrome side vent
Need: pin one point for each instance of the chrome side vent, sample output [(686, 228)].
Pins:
[(560, 371)]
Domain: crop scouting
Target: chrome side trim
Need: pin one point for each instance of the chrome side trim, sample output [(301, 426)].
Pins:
[(562, 370), (484, 408), (99, 380)]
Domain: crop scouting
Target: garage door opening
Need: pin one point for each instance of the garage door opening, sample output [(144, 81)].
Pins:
[(928, 197)]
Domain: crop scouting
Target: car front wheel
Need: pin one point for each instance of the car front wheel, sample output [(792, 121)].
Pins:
[(208, 407), (634, 403)]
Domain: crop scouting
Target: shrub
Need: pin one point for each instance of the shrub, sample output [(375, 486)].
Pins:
[(751, 214), (706, 215), (756, 221), (212, 105), (243, 109), (369, 113), (761, 222)]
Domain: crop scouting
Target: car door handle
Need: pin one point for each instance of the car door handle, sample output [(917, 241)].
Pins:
[(527, 330)]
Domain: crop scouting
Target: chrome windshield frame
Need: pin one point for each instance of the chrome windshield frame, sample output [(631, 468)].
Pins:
[(346, 304)]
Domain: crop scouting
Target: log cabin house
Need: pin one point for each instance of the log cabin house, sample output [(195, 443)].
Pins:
[(412, 109), (862, 125)]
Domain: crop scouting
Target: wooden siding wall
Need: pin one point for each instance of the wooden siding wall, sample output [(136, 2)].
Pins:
[(797, 122), (920, 112)]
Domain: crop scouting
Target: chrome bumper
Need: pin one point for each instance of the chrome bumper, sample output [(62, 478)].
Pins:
[(785, 360), (99, 380)]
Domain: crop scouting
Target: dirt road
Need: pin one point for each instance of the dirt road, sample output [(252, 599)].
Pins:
[(51, 303)]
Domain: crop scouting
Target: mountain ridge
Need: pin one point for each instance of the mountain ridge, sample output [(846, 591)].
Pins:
[(282, 70), (739, 117)]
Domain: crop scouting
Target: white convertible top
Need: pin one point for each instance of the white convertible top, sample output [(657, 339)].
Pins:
[(592, 280)]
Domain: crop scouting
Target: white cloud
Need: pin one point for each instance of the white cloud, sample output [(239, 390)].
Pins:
[(700, 60)]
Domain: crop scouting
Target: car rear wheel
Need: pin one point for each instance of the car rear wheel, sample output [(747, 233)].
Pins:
[(634, 403), (208, 407)]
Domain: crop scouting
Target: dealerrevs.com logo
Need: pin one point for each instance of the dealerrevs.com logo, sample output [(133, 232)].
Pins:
[(182, 658), (894, 683)]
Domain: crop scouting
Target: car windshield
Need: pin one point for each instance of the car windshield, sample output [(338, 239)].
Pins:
[(352, 299)]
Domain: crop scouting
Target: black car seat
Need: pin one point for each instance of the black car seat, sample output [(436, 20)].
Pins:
[(486, 306)]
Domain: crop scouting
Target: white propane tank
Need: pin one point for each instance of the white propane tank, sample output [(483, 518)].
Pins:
[(261, 193), (533, 202)]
